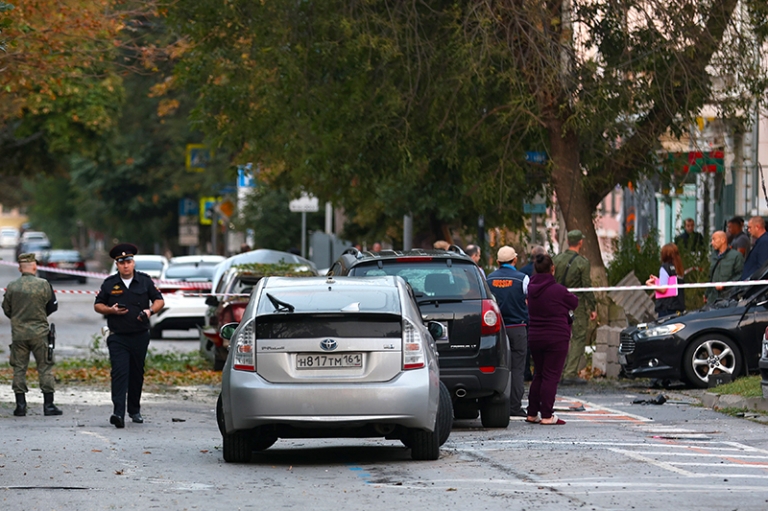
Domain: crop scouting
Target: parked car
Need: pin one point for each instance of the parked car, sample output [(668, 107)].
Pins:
[(9, 237), (263, 256), (34, 247), (152, 265), (34, 237), (325, 357), (763, 364), (63, 260), (184, 275), (450, 288), (723, 337), (229, 300)]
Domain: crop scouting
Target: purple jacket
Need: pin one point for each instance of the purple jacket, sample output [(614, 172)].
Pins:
[(548, 306)]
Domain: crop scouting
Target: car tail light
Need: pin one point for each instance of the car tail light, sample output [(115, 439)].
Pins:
[(491, 318), (53, 265), (413, 347), (244, 349)]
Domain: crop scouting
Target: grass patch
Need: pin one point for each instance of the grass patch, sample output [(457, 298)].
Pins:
[(748, 386), (161, 370)]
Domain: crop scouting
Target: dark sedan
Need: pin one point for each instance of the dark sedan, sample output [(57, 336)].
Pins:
[(723, 338), (61, 260)]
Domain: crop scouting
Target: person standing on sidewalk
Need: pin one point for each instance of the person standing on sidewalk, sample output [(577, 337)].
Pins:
[(510, 288), (128, 298), (725, 265), (550, 306), (28, 302), (572, 271)]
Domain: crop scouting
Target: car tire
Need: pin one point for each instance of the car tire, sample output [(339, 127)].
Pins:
[(220, 416), (494, 412), (725, 355), (465, 409), (444, 415), (82, 280), (425, 445), (238, 447)]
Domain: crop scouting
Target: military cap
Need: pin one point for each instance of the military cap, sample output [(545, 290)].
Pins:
[(575, 236), (506, 254), (123, 250), (29, 257)]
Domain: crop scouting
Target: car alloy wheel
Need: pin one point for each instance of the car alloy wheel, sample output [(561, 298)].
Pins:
[(711, 355)]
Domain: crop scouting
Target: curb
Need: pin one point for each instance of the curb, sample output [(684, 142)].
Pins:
[(716, 401)]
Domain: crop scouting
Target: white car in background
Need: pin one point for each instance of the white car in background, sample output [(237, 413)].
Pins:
[(184, 275), (152, 265), (9, 237)]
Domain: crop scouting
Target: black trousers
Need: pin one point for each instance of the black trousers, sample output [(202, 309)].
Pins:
[(126, 354)]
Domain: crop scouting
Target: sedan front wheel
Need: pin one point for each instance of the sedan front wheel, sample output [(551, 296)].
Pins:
[(708, 356)]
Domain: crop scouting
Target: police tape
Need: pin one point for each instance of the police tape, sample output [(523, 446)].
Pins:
[(102, 276), (611, 289)]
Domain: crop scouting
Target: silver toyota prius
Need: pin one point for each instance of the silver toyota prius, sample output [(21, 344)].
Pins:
[(325, 357)]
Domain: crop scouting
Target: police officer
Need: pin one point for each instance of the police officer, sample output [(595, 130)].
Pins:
[(28, 302), (572, 271), (127, 298), (510, 287)]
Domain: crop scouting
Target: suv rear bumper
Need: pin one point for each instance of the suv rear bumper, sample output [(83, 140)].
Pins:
[(473, 383)]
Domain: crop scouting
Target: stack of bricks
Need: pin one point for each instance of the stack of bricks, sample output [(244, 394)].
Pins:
[(606, 355)]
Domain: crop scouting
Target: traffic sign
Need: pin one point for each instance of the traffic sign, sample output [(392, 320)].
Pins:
[(188, 207), (305, 204), (206, 209)]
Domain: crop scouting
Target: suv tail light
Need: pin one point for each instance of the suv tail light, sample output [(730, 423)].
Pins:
[(413, 347), (491, 318), (244, 349)]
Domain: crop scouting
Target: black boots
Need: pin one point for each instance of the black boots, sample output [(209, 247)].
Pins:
[(48, 407), (21, 406)]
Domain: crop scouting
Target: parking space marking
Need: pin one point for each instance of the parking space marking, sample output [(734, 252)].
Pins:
[(576, 410)]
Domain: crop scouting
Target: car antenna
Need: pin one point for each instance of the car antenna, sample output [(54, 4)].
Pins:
[(280, 305)]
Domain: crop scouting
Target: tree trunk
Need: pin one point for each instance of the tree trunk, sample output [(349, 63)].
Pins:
[(567, 178)]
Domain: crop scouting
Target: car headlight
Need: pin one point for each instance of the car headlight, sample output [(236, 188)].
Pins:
[(661, 330), (765, 347)]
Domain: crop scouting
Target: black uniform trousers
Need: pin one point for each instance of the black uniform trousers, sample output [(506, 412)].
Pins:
[(126, 354)]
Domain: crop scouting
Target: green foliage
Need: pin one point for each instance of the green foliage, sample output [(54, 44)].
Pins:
[(275, 269), (629, 255), (748, 386), (274, 225), (54, 208), (696, 270)]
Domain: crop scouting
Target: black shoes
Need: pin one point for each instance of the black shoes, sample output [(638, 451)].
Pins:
[(21, 406), (117, 421), (136, 417), (518, 413), (48, 407)]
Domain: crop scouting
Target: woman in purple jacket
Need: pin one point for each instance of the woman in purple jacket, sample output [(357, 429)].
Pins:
[(549, 332)]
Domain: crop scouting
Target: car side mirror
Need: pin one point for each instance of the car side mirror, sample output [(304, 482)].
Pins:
[(435, 329), (228, 330), (212, 301)]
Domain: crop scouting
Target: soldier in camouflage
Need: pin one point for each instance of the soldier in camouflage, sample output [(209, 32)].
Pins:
[(572, 271), (28, 301)]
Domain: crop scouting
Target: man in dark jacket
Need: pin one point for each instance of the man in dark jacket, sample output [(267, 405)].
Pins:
[(759, 253), (725, 265), (128, 298), (510, 288)]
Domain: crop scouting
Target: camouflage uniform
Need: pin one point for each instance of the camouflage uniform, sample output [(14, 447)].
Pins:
[(577, 276), (25, 303)]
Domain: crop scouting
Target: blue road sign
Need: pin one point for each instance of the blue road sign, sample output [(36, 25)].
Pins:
[(188, 207)]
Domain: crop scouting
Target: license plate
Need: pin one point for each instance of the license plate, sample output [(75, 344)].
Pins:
[(323, 361), (622, 359)]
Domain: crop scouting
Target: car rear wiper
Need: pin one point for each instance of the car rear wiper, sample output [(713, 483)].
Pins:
[(280, 305), (439, 300)]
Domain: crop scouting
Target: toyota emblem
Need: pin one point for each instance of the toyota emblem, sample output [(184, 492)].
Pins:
[(328, 345)]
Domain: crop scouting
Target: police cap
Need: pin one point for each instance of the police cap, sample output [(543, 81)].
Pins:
[(123, 250)]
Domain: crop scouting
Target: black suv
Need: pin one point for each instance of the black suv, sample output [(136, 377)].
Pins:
[(451, 289)]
